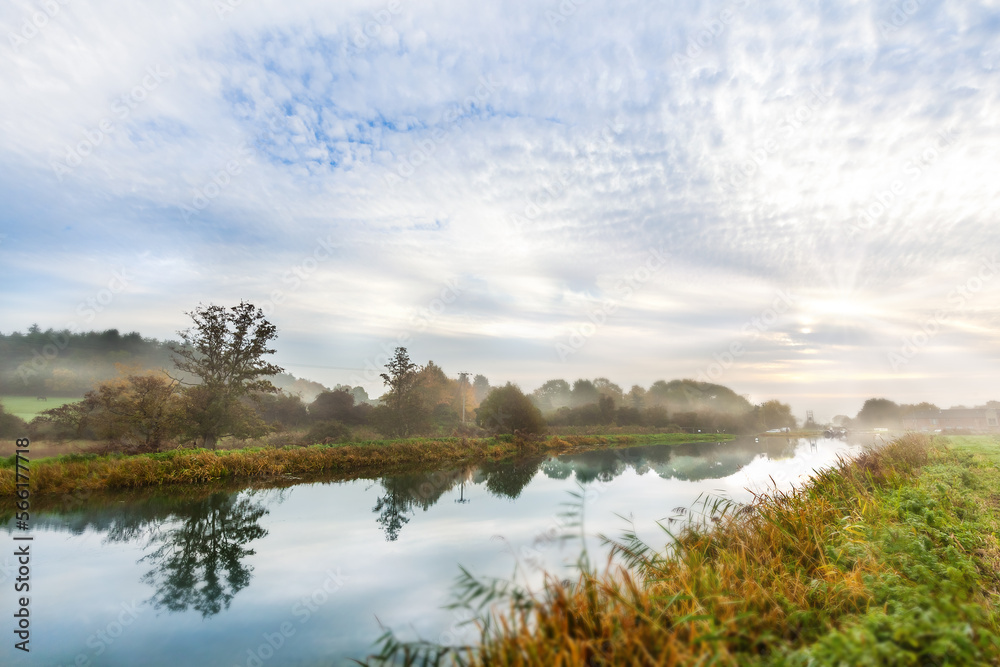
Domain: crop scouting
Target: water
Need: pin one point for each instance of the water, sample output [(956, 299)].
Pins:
[(311, 574)]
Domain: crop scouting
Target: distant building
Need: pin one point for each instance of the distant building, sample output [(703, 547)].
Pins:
[(953, 419)]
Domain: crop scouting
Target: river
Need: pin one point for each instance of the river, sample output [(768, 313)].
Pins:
[(312, 573)]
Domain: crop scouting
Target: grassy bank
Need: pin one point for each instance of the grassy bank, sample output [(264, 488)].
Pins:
[(90, 472), (892, 559)]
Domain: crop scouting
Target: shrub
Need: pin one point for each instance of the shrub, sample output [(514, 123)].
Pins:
[(12, 426), (328, 431), (506, 409)]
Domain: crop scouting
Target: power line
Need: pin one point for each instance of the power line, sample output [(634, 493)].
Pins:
[(335, 368)]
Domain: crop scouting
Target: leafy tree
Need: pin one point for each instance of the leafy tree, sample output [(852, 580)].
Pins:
[(552, 395), (841, 420), (656, 416), (584, 392), (879, 412), (402, 376), (636, 397), (66, 421), (606, 408), (333, 405), (208, 416), (401, 414), (507, 409), (139, 409), (775, 414), (281, 409), (445, 416), (142, 408), (11, 426), (586, 415), (608, 388), (225, 350), (628, 416), (438, 393), (339, 405), (360, 395), (907, 409), (694, 396), (591, 414), (480, 388), (660, 394)]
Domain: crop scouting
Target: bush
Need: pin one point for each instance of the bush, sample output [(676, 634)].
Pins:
[(125, 445), (68, 422), (627, 416), (327, 432), (506, 409), (281, 410), (12, 426), (657, 417)]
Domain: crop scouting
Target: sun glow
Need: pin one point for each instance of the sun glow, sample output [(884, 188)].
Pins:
[(839, 309)]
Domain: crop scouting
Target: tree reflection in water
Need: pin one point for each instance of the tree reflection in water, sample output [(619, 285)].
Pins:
[(403, 493), (507, 480), (689, 461), (198, 564)]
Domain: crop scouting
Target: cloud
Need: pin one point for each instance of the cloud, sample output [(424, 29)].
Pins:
[(533, 153)]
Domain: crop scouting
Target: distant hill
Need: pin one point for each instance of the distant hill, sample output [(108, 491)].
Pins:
[(306, 389), (67, 364)]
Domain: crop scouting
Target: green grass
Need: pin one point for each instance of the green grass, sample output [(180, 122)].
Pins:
[(28, 407)]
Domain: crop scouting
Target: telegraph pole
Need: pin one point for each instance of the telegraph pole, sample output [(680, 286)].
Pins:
[(463, 375)]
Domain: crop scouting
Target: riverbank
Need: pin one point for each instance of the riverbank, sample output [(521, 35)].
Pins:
[(890, 559), (91, 472)]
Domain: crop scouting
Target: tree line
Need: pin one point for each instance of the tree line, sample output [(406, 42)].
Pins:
[(218, 383), (67, 363), (882, 412)]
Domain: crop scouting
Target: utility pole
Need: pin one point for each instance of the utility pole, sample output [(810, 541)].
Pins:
[(463, 375), (461, 498)]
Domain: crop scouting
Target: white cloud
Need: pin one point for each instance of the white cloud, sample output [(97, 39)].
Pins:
[(746, 138)]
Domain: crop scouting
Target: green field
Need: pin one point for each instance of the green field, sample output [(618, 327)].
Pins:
[(28, 407)]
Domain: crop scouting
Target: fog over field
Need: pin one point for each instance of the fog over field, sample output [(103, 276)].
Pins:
[(794, 200)]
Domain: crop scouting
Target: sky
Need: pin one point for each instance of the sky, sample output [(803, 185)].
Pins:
[(797, 200)]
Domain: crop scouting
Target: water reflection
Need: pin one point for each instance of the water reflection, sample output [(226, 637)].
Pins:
[(236, 565), (403, 493), (196, 547), (199, 564), (507, 480), (689, 462)]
